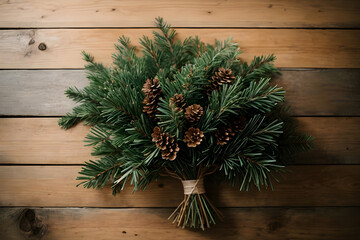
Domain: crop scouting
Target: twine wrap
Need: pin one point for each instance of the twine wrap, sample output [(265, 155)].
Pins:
[(193, 186)]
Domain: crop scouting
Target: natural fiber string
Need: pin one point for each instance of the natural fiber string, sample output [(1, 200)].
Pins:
[(193, 186)]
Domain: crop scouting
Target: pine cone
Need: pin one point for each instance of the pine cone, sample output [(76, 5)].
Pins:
[(193, 113), (152, 87), (237, 123), (157, 135), (210, 88), (169, 148), (193, 137), (223, 135), (152, 93), (178, 101), (150, 105), (170, 152), (222, 76), (160, 139)]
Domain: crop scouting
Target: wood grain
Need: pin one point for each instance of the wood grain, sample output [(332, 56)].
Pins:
[(333, 142), (147, 224), (322, 92), (319, 198), (19, 49), (309, 185), (41, 141), (309, 92), (195, 13), (38, 92)]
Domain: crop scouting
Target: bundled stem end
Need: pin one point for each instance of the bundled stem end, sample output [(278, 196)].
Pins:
[(196, 210)]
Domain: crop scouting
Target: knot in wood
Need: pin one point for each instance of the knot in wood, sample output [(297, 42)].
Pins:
[(31, 224), (42, 47)]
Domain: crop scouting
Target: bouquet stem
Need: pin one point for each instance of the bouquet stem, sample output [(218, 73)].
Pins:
[(196, 210)]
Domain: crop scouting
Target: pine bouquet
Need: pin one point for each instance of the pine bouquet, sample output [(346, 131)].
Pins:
[(184, 109)]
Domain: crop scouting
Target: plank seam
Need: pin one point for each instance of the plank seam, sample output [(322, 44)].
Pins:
[(128, 208), (180, 27), (295, 116)]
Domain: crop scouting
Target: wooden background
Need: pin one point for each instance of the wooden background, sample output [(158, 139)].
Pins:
[(318, 50)]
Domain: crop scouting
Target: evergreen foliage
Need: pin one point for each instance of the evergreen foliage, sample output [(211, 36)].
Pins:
[(121, 134)]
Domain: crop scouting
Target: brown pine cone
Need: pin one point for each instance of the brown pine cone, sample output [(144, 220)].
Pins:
[(193, 137), (237, 123), (193, 113), (152, 86), (222, 76), (160, 139), (178, 101), (152, 93), (223, 135), (150, 105), (170, 152), (210, 88), (169, 148), (157, 135)]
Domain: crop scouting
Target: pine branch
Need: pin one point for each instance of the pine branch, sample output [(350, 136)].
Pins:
[(149, 50), (248, 153), (96, 174), (249, 159), (80, 95), (256, 63), (170, 118), (68, 121), (126, 57), (168, 33)]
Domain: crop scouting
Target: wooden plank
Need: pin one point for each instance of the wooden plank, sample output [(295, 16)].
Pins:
[(309, 92), (19, 49), (322, 92), (41, 141), (336, 141), (240, 223), (195, 13), (38, 92), (45, 186)]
